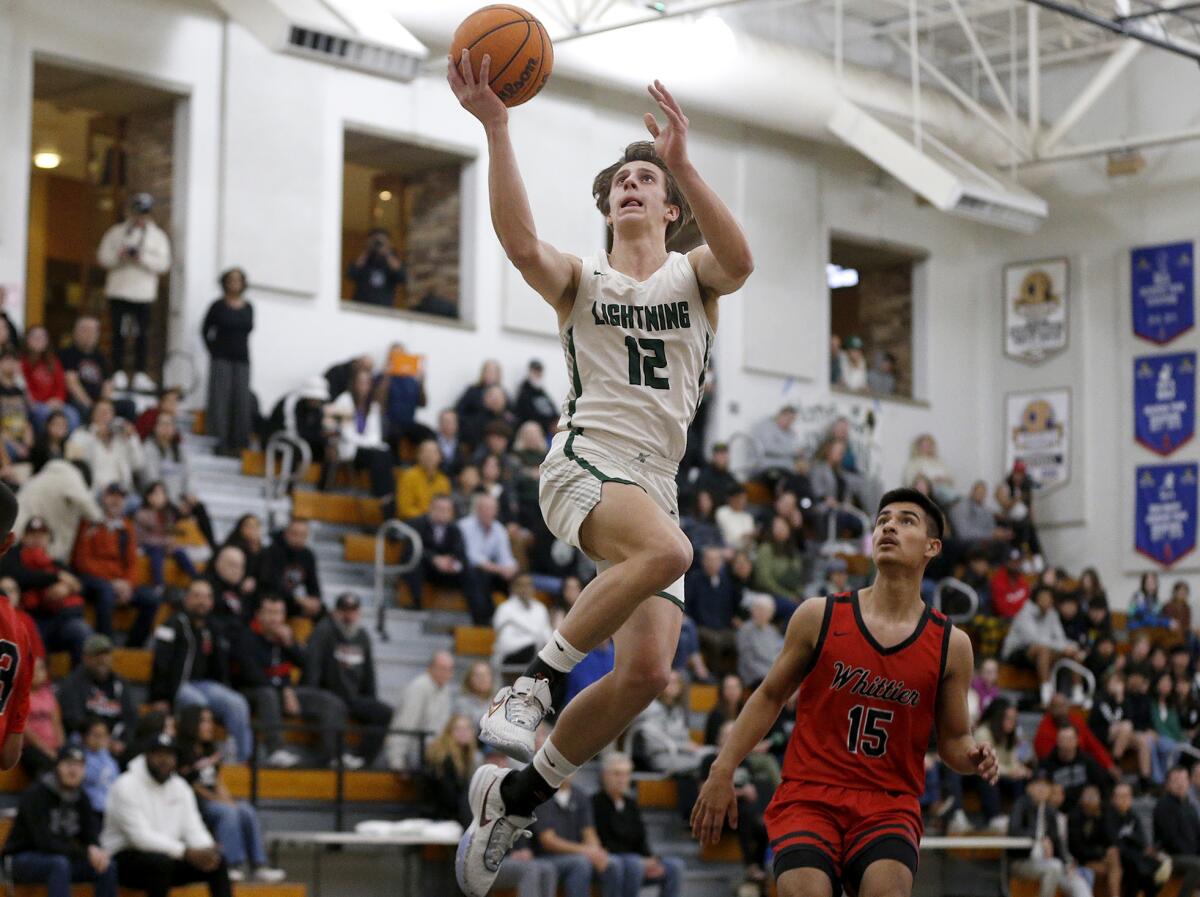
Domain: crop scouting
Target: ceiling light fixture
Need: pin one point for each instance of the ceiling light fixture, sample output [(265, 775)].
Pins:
[(47, 159)]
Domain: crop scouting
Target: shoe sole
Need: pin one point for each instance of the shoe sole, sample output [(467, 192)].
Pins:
[(515, 749), (475, 795)]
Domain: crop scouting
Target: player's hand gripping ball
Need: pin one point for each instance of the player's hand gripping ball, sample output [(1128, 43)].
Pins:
[(520, 54)]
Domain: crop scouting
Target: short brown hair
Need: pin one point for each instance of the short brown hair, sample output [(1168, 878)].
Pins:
[(641, 151)]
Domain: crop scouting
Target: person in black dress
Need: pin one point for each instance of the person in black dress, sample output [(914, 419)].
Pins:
[(226, 333)]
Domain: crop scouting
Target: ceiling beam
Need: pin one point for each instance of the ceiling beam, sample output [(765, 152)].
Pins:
[(1092, 91), (1163, 138), (1180, 47), (984, 62)]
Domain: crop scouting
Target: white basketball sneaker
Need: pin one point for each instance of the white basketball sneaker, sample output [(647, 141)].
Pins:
[(490, 836), (512, 719)]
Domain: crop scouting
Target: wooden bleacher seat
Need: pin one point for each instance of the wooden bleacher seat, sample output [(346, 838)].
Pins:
[(758, 494), (433, 598), (123, 617), (132, 664), (1015, 678), (360, 549), (660, 794), (857, 564), (366, 786), (474, 641), (727, 850), (198, 422), (308, 504), (172, 574), (702, 698)]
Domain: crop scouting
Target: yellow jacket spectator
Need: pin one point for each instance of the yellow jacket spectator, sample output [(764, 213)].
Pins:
[(416, 486)]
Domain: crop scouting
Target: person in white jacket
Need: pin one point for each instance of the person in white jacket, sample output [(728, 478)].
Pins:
[(136, 253), (522, 624), (61, 495), (1036, 638), (111, 448), (153, 829)]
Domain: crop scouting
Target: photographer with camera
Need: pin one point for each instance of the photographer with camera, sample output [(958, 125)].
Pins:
[(136, 253), (377, 271)]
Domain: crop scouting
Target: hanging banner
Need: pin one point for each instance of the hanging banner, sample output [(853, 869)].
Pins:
[(1164, 400), (1035, 309), (1165, 525), (1163, 289), (1038, 431)]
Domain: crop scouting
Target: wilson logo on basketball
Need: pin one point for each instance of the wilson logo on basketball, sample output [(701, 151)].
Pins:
[(512, 88)]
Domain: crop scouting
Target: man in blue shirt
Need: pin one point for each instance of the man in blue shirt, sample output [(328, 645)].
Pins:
[(490, 562)]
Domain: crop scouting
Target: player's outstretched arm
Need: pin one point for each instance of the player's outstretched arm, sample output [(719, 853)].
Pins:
[(553, 274), (956, 746), (724, 263), (717, 801)]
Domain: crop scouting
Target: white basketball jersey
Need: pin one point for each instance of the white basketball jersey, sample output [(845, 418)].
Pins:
[(636, 354)]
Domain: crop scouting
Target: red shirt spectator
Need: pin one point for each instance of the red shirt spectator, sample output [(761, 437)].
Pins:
[(44, 377), (1009, 588), (1059, 714), (107, 549)]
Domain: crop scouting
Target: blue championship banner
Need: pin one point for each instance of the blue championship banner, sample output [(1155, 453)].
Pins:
[(1165, 523), (1164, 400), (1163, 289)]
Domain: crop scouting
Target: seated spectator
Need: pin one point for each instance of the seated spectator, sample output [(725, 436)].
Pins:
[(730, 699), (16, 426), (715, 477), (300, 413), (713, 604), (1074, 623), (700, 527), (340, 662), (247, 536), (1165, 718), (149, 726), (533, 403), (44, 379), (662, 739), (234, 822), (1061, 715), (61, 495), (85, 369), (1178, 608), (105, 556), (44, 734), (469, 407), (735, 522), (494, 414), (1138, 659), (454, 452), (985, 688), (999, 729), (758, 642), (154, 831), (834, 485), (974, 523), (1103, 658), (93, 691), (443, 555), (596, 664), (1144, 607), (266, 657), (779, 563), (234, 593), (687, 651), (1014, 500), (1070, 767), (1109, 722), (50, 443), (564, 833), (424, 707), (1140, 861), (417, 485), (1036, 639), (49, 592), (466, 487), (10, 591), (796, 482), (491, 565), (1177, 830), (100, 766), (622, 832), (450, 760), (155, 521), (109, 446), (924, 461), (191, 667), (289, 568), (475, 693), (1091, 843), (55, 837), (168, 403), (1009, 587), (1033, 817), (522, 624), (837, 578), (361, 441), (777, 444), (167, 462)]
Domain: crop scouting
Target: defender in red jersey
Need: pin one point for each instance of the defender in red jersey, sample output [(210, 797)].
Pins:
[(877, 670), (16, 654)]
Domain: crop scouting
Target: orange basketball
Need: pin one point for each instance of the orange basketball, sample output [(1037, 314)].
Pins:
[(522, 55)]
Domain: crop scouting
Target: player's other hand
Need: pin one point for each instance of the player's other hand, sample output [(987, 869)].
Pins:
[(983, 756), (475, 95), (716, 803), (670, 142)]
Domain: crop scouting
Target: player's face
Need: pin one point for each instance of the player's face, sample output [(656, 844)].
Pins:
[(639, 194), (900, 536)]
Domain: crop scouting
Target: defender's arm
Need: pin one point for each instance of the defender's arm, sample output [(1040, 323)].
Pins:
[(956, 746)]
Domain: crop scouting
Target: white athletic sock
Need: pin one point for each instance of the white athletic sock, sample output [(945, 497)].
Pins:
[(553, 766), (559, 654)]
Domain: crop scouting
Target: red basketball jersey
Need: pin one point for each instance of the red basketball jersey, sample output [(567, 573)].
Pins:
[(865, 712), (16, 671)]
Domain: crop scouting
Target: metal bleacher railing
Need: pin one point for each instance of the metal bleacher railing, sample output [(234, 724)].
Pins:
[(287, 458), (383, 569), (956, 586)]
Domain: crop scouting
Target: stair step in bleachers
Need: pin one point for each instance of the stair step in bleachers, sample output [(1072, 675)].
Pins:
[(132, 664), (474, 641), (310, 505), (432, 598), (658, 794), (359, 548), (727, 850), (365, 786)]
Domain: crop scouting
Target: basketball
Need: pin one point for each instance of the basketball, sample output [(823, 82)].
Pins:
[(522, 55)]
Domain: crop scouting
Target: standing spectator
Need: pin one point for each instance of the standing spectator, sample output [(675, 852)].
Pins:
[(424, 707), (166, 461), (735, 522), (1034, 817), (100, 767), (154, 831), (713, 604), (522, 624), (417, 485), (1010, 587), (454, 451), (777, 444), (267, 655), (93, 691), (105, 556), (50, 444), (533, 402), (16, 426), (44, 379), (622, 833), (55, 838), (1144, 607), (191, 667), (491, 565), (49, 592), (450, 761), (377, 271), (881, 376), (109, 446), (564, 833), (1036, 639), (443, 554), (853, 365), (234, 822), (289, 568), (340, 662), (1140, 862), (924, 461), (84, 365), (1091, 842), (470, 405), (1068, 766), (226, 333), (44, 733), (155, 521), (360, 430), (779, 563), (1177, 830), (758, 642), (136, 253)]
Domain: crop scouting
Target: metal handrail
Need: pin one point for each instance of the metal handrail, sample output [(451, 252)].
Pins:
[(831, 539), (962, 588), (281, 450), (1088, 677), (383, 569)]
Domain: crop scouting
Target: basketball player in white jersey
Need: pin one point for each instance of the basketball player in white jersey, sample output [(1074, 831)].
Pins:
[(637, 325)]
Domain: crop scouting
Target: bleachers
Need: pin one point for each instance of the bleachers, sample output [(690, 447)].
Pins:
[(132, 664)]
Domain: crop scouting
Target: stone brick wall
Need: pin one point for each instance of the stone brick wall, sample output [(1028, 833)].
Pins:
[(432, 234), (885, 318)]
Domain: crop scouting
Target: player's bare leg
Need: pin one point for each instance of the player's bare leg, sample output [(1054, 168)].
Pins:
[(886, 878), (805, 882)]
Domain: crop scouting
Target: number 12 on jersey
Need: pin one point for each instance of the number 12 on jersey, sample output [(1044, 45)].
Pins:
[(642, 368), (867, 733)]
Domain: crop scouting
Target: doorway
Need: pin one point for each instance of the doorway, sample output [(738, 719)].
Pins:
[(97, 139)]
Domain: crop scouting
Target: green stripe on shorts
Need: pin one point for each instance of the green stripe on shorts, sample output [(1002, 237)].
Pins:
[(670, 598), (569, 451)]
